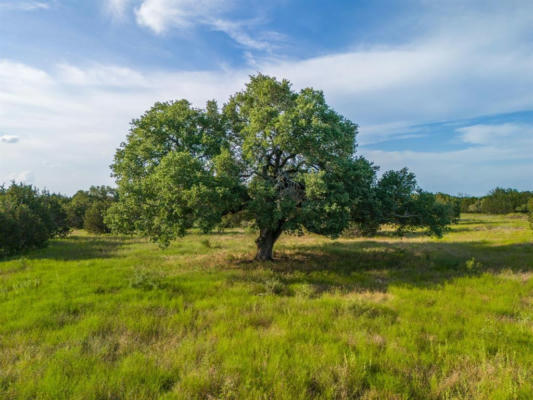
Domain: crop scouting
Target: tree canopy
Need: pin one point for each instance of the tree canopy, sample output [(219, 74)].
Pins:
[(285, 158)]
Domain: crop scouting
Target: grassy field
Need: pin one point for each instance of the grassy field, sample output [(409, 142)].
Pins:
[(380, 318)]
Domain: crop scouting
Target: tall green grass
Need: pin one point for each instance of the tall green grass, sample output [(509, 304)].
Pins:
[(104, 317)]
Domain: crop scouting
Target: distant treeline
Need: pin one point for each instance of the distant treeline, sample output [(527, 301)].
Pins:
[(498, 201), (30, 217)]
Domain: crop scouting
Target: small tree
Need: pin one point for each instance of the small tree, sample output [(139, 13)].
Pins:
[(93, 220), (76, 208), (87, 209), (285, 157), (57, 217), (100, 198), (402, 203)]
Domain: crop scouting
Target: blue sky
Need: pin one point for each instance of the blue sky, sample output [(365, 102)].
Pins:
[(442, 87)]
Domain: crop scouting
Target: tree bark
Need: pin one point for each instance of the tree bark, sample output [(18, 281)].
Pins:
[(265, 243)]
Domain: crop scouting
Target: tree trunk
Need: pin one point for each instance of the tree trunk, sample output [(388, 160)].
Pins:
[(265, 243)]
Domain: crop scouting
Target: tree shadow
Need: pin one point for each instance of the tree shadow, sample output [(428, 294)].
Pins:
[(374, 265), (465, 225), (78, 247), (479, 222)]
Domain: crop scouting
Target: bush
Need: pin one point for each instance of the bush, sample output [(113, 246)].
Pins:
[(28, 218), (93, 220)]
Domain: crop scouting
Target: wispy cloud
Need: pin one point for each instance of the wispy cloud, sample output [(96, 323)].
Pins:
[(161, 16), (25, 5), (116, 8), (236, 31), (498, 135)]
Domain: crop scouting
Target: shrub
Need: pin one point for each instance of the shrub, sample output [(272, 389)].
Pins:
[(93, 220), (28, 218)]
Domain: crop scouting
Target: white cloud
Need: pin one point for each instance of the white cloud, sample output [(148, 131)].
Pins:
[(501, 135), (101, 76), (9, 139), (116, 8), (159, 15), (162, 15), (236, 31)]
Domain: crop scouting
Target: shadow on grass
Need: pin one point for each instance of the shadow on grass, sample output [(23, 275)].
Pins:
[(374, 265), (76, 247), (480, 222), (462, 227)]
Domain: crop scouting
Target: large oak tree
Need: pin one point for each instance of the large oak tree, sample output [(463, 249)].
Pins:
[(285, 158)]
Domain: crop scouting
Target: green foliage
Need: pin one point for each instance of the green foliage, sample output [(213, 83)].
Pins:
[(87, 209), (397, 200), (234, 220), (498, 201), (93, 220), (76, 209), (285, 158), (401, 203), (28, 218), (56, 215), (454, 203), (501, 201)]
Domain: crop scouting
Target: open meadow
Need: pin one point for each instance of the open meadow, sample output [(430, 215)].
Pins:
[(108, 317)]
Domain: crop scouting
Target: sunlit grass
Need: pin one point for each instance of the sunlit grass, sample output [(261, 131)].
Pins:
[(380, 318)]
